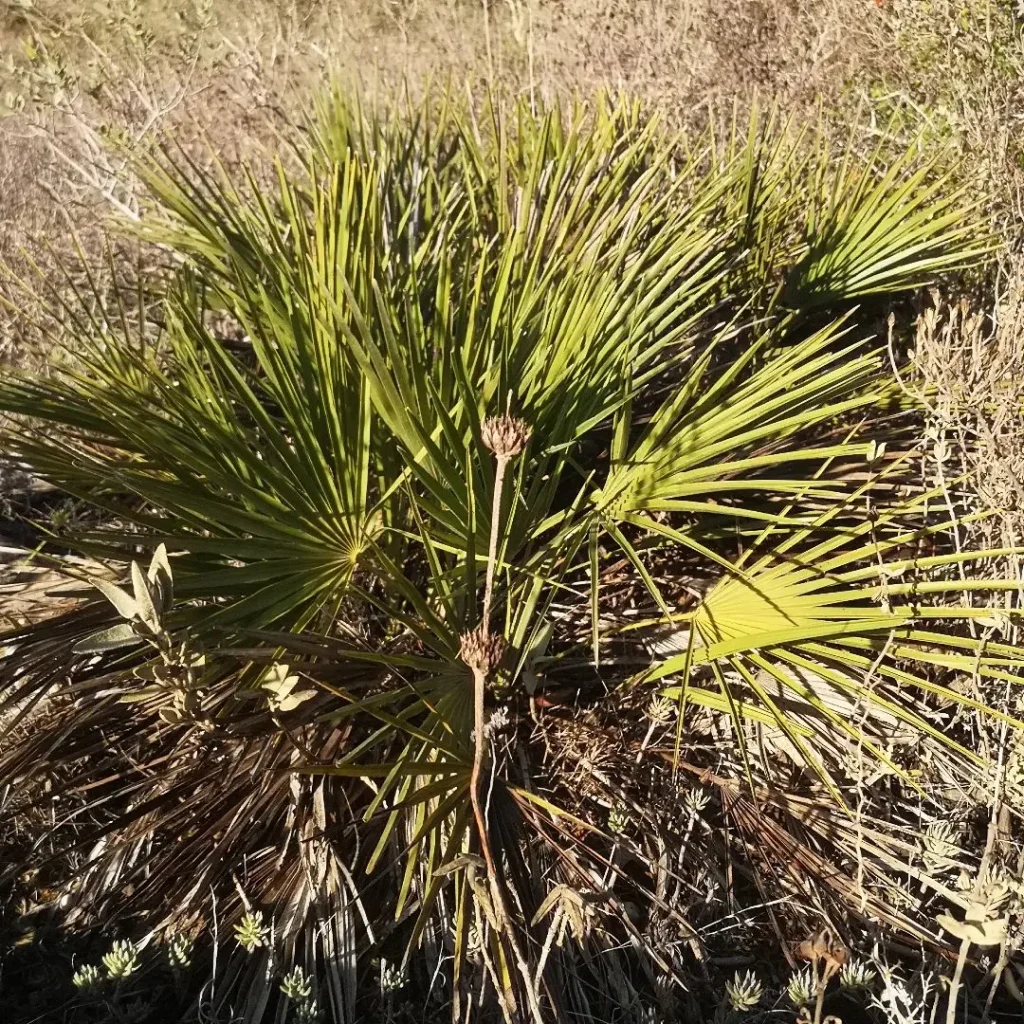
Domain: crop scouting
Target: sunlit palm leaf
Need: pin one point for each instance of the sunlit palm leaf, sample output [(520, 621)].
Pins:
[(822, 638), (872, 230)]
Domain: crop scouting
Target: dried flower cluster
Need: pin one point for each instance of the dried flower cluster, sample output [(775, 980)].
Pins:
[(482, 651), (506, 436)]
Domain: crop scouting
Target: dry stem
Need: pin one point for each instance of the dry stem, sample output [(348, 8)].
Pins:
[(482, 666)]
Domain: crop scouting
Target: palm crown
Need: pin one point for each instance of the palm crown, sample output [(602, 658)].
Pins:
[(591, 393)]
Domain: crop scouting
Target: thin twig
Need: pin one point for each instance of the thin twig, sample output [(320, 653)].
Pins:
[(492, 547)]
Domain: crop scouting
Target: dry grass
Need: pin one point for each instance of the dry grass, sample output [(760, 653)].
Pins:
[(76, 72), (969, 355), (200, 67)]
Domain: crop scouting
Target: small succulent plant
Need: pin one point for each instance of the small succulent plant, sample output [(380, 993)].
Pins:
[(696, 800), (297, 987), (857, 976), (122, 960), (940, 846), (392, 976), (251, 932), (661, 710), (800, 989), (618, 820), (87, 978), (744, 992), (179, 952)]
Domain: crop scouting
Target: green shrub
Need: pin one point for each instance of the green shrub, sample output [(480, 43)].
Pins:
[(454, 450)]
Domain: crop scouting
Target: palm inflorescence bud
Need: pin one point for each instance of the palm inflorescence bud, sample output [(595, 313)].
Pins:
[(481, 651), (506, 436)]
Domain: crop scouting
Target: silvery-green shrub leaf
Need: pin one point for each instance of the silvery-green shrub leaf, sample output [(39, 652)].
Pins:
[(976, 927), (159, 576), (292, 700), (121, 635), (157, 672), (144, 598), (125, 605), (146, 693)]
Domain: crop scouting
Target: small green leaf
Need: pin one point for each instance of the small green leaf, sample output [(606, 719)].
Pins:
[(121, 635), (125, 606)]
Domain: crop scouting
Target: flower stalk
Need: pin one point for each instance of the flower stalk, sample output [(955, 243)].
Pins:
[(506, 437)]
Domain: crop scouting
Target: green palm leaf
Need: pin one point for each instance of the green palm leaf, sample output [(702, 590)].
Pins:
[(818, 635)]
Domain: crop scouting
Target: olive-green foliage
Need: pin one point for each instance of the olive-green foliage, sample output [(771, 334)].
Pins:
[(302, 430)]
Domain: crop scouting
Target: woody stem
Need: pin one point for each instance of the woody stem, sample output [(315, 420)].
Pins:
[(480, 677), (479, 688), (954, 985), (480, 740), (497, 895)]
